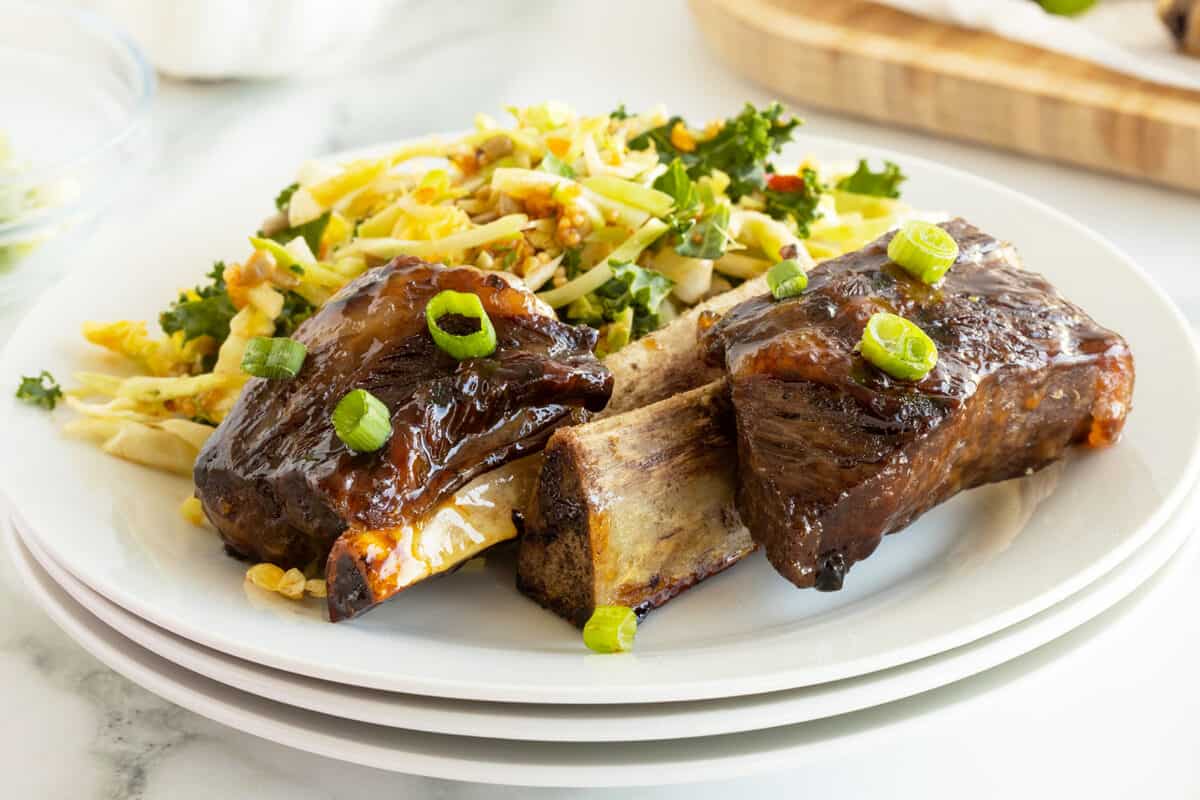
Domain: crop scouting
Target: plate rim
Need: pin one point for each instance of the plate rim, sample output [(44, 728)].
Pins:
[(723, 716), (510, 690), (734, 756)]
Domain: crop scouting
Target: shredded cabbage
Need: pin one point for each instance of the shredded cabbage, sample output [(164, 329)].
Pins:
[(617, 220)]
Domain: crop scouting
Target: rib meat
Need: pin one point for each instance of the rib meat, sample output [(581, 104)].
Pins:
[(834, 453), (280, 486)]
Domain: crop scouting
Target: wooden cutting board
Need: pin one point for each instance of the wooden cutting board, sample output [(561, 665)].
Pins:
[(874, 61)]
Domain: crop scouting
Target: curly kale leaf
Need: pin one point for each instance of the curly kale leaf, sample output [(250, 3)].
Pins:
[(206, 315), (740, 149), (643, 290), (885, 183), (310, 231), (709, 237), (295, 310), (40, 390), (285, 196), (631, 290), (677, 183), (794, 196)]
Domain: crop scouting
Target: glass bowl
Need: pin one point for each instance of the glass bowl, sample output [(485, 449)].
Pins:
[(74, 135)]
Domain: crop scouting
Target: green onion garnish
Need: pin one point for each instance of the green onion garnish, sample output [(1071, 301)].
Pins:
[(1067, 7), (898, 347), (611, 629), (273, 358), (479, 344), (40, 390), (924, 250), (786, 279), (362, 421)]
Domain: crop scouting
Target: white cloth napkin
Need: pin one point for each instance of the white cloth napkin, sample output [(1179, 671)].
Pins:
[(1124, 35)]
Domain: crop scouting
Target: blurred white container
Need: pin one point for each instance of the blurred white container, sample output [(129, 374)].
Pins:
[(214, 39), (77, 95)]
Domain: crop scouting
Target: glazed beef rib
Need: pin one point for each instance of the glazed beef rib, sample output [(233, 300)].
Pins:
[(281, 487), (834, 454)]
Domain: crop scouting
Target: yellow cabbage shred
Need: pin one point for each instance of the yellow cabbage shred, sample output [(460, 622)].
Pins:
[(547, 197)]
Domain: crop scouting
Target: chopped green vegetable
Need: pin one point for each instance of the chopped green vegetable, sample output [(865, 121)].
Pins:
[(795, 196), (709, 237), (627, 252), (611, 629), (207, 315), (285, 196), (682, 189), (587, 310), (924, 250), (631, 286), (878, 184), (295, 310), (480, 343), (275, 359), (510, 258), (786, 279), (310, 231), (898, 347), (556, 166), (572, 259), (619, 112), (740, 149), (1067, 7), (643, 237), (362, 421), (40, 390), (618, 334)]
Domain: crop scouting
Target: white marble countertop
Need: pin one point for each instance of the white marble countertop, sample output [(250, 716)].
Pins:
[(1112, 710)]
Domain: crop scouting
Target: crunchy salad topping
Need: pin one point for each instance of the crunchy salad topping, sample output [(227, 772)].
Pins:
[(617, 221)]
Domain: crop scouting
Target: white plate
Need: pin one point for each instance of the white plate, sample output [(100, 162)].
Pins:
[(986, 560), (540, 763), (647, 721)]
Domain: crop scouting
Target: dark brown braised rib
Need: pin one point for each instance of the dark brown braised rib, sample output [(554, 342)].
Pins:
[(281, 487), (834, 454)]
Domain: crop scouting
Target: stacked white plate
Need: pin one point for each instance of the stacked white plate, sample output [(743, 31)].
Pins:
[(464, 678)]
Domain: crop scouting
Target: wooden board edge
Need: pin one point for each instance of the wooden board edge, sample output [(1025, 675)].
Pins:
[(1110, 129)]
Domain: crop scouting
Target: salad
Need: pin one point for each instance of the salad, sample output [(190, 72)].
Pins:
[(618, 221), (22, 201)]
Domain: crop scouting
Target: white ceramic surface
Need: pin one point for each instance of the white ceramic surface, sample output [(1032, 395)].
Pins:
[(647, 721), (214, 39), (77, 99), (468, 758), (986, 560)]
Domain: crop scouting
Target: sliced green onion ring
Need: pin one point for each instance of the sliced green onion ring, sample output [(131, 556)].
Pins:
[(898, 347), (362, 421), (479, 344), (787, 279), (924, 250), (611, 629), (276, 359)]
